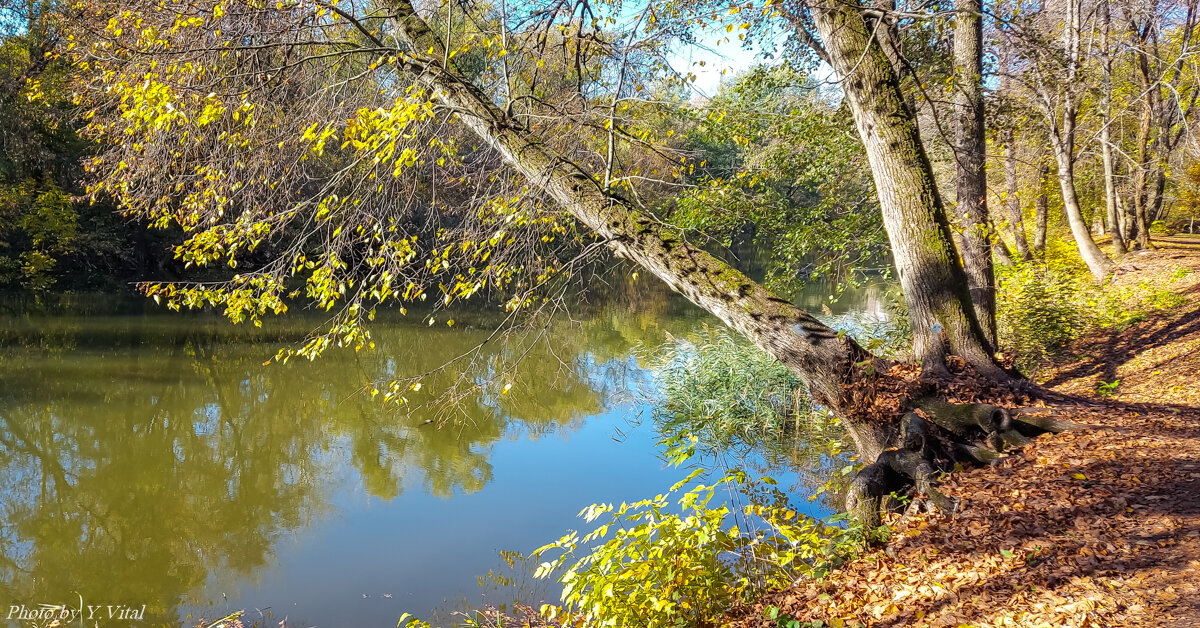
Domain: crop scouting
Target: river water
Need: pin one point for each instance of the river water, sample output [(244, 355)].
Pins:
[(150, 459)]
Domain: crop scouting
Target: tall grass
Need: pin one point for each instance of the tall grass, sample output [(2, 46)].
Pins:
[(724, 390)]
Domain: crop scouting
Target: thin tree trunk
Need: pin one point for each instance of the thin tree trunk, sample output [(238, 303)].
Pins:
[(1130, 224), (1142, 178), (1095, 259), (970, 156), (1110, 196), (1110, 186), (1153, 148), (1123, 227), (1163, 211), (1041, 209), (935, 285), (999, 247), (1012, 196), (1154, 207)]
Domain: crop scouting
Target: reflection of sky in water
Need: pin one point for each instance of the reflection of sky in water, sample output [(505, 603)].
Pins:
[(421, 548), (153, 459)]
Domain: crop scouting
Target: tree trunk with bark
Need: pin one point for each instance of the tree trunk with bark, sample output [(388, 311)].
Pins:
[(999, 247), (1041, 208), (1156, 139), (1142, 194), (1115, 226), (971, 160), (1059, 104), (1012, 197), (1106, 121), (1064, 155), (935, 285)]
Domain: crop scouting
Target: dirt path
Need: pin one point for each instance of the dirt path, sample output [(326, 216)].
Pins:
[(1093, 528)]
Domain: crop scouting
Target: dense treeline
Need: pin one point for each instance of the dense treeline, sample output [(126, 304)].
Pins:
[(53, 236)]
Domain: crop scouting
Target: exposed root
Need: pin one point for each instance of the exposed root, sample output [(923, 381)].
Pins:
[(934, 439), (1047, 424), (904, 471), (981, 455)]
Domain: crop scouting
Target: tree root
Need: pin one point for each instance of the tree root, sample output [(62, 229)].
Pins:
[(898, 472), (1047, 424), (932, 440)]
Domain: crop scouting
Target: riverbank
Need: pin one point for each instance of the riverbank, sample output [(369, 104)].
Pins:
[(1099, 527)]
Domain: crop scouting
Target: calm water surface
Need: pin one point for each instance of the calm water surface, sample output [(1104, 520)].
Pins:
[(150, 458)]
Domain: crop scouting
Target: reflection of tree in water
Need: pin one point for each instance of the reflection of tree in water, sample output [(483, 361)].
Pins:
[(138, 454), (129, 472)]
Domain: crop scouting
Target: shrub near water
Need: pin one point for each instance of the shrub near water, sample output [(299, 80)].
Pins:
[(677, 560), (685, 557)]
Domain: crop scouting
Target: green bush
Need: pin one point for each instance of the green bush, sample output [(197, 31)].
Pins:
[(1040, 309), (671, 561), (1161, 228)]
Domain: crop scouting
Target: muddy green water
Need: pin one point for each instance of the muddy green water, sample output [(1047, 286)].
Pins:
[(149, 460)]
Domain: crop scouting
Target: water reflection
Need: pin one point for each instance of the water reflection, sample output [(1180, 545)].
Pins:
[(140, 452), (151, 458)]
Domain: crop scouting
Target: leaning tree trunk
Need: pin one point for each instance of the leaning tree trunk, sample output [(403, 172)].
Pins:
[(935, 285), (1095, 259), (971, 160), (1059, 104), (839, 373)]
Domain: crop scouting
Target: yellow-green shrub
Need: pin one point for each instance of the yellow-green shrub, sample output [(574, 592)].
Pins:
[(1042, 308), (677, 561)]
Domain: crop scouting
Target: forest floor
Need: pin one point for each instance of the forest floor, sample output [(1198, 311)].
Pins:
[(1097, 527)]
